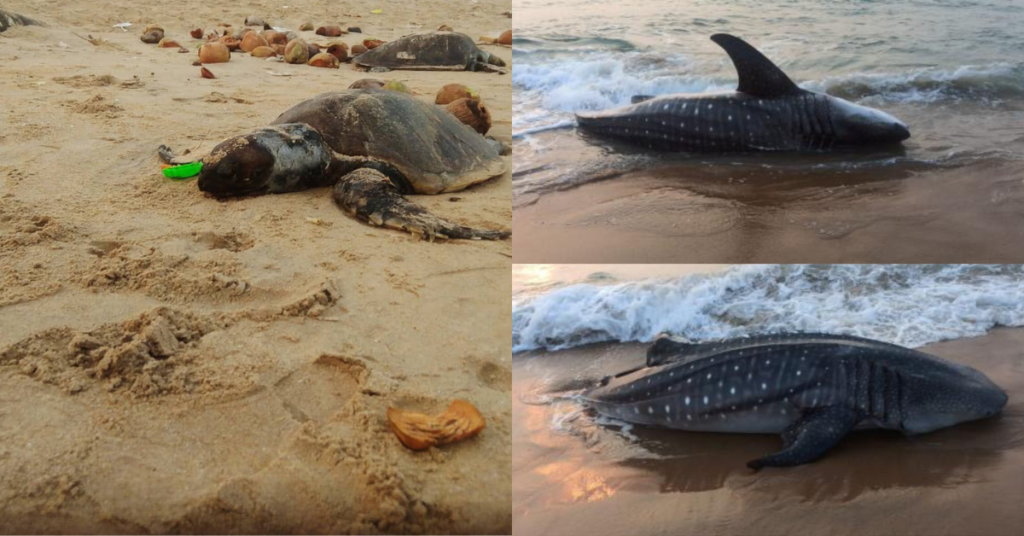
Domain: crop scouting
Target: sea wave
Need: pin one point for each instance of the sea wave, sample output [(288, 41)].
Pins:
[(910, 305), (986, 83)]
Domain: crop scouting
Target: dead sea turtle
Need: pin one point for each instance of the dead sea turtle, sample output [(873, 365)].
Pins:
[(8, 19), (435, 51), (373, 146)]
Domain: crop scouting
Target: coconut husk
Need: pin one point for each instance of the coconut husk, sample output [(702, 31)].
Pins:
[(471, 112), (453, 92), (418, 431), (297, 51), (367, 83), (324, 59)]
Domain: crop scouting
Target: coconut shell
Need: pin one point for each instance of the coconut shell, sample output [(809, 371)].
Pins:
[(197, 33), (279, 49), (205, 73), (297, 51), (306, 26), (324, 59), (445, 28), (215, 52), (230, 42), (167, 42), (395, 85), (358, 49), (152, 35), (274, 37), (339, 49), (330, 31), (251, 41), (367, 83), (263, 52), (505, 38), (419, 432), (471, 112), (453, 92), (371, 44)]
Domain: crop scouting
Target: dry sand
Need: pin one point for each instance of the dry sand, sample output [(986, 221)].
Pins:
[(173, 363), (587, 479)]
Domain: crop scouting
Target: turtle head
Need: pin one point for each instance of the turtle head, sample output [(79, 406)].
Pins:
[(276, 159)]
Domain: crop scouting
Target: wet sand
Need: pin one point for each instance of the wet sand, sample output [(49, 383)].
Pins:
[(779, 209), (174, 363), (586, 479)]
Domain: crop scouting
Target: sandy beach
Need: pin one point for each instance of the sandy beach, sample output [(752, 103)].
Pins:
[(171, 363), (574, 477)]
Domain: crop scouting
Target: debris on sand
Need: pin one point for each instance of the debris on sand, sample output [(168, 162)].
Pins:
[(419, 432)]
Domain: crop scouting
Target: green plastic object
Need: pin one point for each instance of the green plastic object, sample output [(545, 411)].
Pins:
[(184, 171)]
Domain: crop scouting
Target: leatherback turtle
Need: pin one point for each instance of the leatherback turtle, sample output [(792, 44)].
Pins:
[(434, 51), (812, 388), (373, 146)]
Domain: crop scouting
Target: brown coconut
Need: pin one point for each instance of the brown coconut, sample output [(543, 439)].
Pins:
[(297, 51), (274, 37), (329, 31), (367, 83), (358, 49), (167, 42), (197, 33), (505, 38), (339, 49), (453, 92), (152, 34), (306, 26), (251, 41), (215, 52), (279, 49), (445, 28), (471, 112), (229, 41), (263, 52), (371, 44), (324, 59)]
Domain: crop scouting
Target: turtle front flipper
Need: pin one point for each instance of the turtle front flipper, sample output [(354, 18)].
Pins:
[(369, 195)]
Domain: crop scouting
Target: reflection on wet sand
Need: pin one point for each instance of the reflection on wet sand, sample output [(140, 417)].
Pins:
[(566, 458)]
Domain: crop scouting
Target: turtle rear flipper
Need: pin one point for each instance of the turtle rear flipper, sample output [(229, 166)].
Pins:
[(369, 195)]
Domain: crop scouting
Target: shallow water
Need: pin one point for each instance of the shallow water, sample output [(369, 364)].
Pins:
[(953, 71)]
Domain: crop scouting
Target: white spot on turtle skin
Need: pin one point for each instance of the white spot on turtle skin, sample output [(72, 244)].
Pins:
[(705, 400), (689, 417), (730, 118), (764, 386), (737, 367), (636, 410), (768, 362), (709, 375), (732, 391), (650, 410), (750, 375), (666, 408), (783, 411), (687, 400), (799, 373), (689, 380)]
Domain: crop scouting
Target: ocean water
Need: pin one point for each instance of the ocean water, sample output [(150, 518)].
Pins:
[(952, 70), (909, 305)]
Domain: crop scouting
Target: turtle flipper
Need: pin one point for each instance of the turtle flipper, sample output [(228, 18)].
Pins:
[(369, 195), (810, 437)]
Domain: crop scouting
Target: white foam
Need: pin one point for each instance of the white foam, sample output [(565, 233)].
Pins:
[(910, 305), (928, 85)]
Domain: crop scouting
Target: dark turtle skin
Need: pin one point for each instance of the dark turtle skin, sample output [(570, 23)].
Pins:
[(372, 146), (435, 51), (8, 19)]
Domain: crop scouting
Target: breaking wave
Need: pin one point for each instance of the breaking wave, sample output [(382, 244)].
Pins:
[(910, 305)]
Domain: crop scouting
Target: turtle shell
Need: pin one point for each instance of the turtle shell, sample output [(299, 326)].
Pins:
[(436, 51), (433, 149)]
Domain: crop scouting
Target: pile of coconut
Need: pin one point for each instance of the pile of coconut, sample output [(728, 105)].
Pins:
[(260, 40)]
